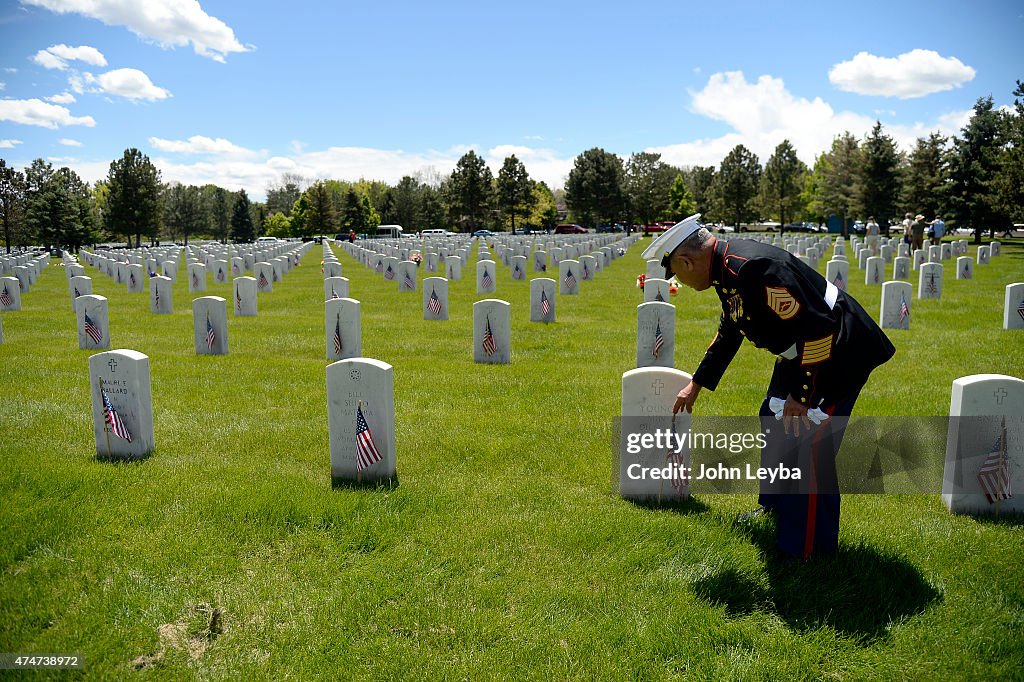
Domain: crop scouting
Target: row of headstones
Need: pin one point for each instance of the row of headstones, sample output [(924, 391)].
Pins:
[(26, 273), (360, 399), (361, 425), (978, 477)]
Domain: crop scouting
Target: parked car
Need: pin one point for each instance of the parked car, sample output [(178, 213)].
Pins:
[(858, 227), (569, 228), (483, 233)]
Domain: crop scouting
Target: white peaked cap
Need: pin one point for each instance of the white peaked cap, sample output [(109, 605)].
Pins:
[(671, 238)]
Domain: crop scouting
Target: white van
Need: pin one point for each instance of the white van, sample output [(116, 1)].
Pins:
[(433, 233), (389, 232)]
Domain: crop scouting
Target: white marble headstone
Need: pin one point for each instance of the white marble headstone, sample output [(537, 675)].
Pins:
[(972, 441), (453, 268), (838, 272), (934, 254), (540, 261), (569, 277), (245, 299), (237, 266), (651, 392), (407, 282), (896, 297), (136, 279), (654, 270), (983, 255), (1013, 306), (331, 268), (901, 267), (361, 385), (170, 270), (929, 281), (542, 300), (79, 286), (196, 277), (518, 267), (390, 269), (435, 298), (161, 295), (263, 273), (123, 376), (343, 329), (492, 331), (655, 338), (918, 259), (335, 287), (964, 268), (656, 290), (486, 277), (874, 273), (91, 320), (210, 325), (220, 272)]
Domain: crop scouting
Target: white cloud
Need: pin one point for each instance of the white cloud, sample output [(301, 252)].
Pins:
[(762, 114), (169, 22), (199, 144), (9, 144), (541, 164), (913, 74), (10, 69), (36, 112), (58, 56), (2, 85), (68, 142), (62, 159), (62, 98), (128, 83)]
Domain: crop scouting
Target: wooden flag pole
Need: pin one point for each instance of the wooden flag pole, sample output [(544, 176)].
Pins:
[(106, 431), (1003, 464)]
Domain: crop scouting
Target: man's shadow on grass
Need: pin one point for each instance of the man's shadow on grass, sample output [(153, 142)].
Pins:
[(860, 591), (688, 505)]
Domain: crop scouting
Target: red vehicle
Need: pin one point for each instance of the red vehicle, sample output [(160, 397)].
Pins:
[(567, 228), (660, 226)]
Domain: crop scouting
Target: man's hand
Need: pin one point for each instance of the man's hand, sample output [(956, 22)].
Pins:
[(792, 414), (687, 397)]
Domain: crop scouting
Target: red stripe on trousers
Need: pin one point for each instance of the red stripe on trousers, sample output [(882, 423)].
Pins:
[(812, 497)]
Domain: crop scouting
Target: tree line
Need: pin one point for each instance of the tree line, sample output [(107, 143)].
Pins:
[(974, 179)]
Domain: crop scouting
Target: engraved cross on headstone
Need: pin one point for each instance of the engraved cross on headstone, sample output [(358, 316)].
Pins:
[(657, 385), (999, 394), (113, 365)]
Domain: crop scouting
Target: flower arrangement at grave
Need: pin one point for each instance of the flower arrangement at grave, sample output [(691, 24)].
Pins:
[(416, 258), (673, 288), (640, 279)]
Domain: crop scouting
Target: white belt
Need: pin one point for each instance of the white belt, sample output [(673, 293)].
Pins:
[(831, 294)]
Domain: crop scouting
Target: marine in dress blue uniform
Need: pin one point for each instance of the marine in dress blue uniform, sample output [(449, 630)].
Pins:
[(825, 345)]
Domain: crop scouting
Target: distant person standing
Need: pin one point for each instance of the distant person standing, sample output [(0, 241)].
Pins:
[(938, 228), (917, 232), (908, 220), (351, 236), (871, 231)]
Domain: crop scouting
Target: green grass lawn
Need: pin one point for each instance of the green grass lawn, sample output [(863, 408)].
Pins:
[(504, 552)]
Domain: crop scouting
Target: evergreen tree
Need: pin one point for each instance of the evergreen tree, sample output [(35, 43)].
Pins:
[(469, 192), (974, 165), (515, 190), (736, 186), (923, 183), (878, 177), (133, 202), (12, 204), (782, 182), (242, 230), (594, 190)]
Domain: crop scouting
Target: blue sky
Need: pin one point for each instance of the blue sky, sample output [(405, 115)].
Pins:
[(239, 93)]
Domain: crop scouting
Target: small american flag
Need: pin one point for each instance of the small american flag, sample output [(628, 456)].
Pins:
[(434, 303), (77, 293), (113, 420), (92, 330), (379, 267), (516, 274), (131, 279), (366, 449), (1020, 307), (488, 344), (586, 272), (156, 295), (930, 287), (262, 281), (570, 280), (485, 281), (543, 267), (994, 475), (659, 340), (878, 274), (659, 297), (337, 335), (966, 274), (220, 275), (238, 300), (904, 308), (6, 299), (409, 283), (195, 281), (545, 304), (389, 273), (451, 272), (334, 294), (838, 281), (211, 337)]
